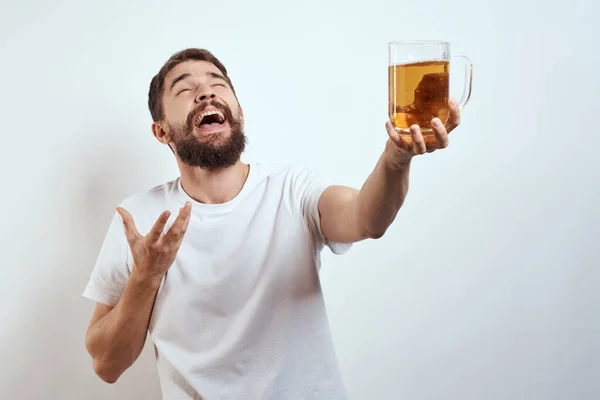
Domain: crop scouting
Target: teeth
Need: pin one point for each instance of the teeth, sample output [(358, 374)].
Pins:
[(206, 113)]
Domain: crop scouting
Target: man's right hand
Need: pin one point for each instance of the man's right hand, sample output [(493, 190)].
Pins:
[(154, 253)]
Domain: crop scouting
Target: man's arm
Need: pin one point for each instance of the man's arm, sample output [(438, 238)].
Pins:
[(349, 215), (116, 336)]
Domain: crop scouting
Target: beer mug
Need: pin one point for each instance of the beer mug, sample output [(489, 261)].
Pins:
[(419, 85)]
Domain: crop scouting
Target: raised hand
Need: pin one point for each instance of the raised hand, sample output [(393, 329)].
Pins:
[(401, 150), (154, 253)]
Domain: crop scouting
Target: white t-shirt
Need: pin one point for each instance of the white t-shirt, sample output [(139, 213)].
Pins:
[(240, 313)]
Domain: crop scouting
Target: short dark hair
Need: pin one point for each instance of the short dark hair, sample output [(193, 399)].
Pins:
[(157, 85)]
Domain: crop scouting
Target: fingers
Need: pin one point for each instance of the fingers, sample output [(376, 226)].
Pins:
[(454, 117), (418, 143), (179, 227), (441, 134), (158, 227), (396, 138), (392, 133), (131, 231), (187, 221)]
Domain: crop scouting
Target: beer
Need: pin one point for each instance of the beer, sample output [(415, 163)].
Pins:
[(418, 92)]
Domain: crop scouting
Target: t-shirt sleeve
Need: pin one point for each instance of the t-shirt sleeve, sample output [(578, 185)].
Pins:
[(112, 269), (308, 188)]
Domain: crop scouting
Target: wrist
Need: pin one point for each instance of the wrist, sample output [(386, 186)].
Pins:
[(143, 278), (395, 163)]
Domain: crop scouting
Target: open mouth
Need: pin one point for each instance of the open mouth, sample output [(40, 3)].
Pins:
[(210, 119)]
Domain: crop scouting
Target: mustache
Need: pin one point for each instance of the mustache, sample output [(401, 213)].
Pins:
[(204, 105)]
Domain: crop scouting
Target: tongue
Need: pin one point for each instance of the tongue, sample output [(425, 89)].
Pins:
[(210, 127)]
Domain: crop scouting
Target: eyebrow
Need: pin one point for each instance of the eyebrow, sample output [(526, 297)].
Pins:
[(187, 75), (215, 75), (178, 79)]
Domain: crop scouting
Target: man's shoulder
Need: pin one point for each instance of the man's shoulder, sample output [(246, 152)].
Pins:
[(299, 180), (281, 170), (158, 195)]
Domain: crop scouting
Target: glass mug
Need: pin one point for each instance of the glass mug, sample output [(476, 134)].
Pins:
[(419, 85)]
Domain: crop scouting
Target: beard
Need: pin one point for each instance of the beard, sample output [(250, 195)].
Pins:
[(215, 153)]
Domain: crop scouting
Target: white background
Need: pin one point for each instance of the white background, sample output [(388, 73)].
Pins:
[(485, 287)]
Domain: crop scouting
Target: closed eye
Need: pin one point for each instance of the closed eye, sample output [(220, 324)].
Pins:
[(184, 90)]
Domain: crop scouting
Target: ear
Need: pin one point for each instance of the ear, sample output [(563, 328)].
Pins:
[(160, 133)]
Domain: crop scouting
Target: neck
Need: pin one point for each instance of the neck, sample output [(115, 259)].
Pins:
[(213, 187)]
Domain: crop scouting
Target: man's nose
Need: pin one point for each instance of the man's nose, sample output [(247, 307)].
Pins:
[(205, 95)]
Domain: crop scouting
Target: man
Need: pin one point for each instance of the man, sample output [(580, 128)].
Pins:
[(221, 265)]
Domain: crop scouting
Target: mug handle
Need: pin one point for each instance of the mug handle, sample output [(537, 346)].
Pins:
[(468, 81)]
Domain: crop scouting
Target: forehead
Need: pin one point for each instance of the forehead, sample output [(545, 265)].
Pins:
[(192, 67)]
